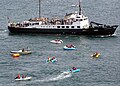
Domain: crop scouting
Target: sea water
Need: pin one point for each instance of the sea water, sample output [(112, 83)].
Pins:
[(103, 71)]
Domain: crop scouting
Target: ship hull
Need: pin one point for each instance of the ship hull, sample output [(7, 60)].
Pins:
[(90, 31)]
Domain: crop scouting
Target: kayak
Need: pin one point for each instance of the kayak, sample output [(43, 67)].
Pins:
[(15, 54), (77, 70), (22, 52), (74, 71), (54, 60), (23, 79), (69, 48), (96, 56), (57, 41)]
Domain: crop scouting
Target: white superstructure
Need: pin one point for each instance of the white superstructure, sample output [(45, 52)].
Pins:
[(72, 20)]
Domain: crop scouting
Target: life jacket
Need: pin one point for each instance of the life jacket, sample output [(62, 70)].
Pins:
[(23, 76), (18, 76), (74, 68)]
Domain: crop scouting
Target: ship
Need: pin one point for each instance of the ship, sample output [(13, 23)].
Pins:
[(72, 23)]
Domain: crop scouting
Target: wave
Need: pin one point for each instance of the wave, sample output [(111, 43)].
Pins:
[(2, 31), (61, 76)]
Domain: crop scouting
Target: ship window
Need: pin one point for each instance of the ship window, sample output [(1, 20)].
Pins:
[(85, 19), (67, 26), (80, 19), (58, 26), (72, 26), (36, 23), (63, 27), (78, 26)]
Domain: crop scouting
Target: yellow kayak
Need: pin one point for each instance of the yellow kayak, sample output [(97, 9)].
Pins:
[(96, 55), (15, 54)]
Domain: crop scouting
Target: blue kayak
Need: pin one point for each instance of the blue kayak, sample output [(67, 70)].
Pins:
[(54, 60), (74, 71), (69, 48)]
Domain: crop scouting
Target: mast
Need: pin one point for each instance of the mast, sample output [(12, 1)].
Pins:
[(80, 11), (39, 8)]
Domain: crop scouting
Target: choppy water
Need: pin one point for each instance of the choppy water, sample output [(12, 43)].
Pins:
[(104, 71)]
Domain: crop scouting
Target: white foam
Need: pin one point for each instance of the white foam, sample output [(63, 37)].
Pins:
[(61, 76)]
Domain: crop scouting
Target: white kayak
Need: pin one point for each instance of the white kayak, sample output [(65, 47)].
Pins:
[(57, 41), (23, 79), (22, 52), (19, 51)]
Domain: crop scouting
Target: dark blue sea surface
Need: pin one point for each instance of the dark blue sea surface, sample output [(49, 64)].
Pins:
[(103, 71)]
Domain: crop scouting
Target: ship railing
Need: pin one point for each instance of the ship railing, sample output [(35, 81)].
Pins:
[(94, 24)]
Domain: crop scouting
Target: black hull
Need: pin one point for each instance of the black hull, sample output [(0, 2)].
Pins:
[(90, 31)]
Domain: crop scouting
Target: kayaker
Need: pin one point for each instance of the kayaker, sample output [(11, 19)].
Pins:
[(95, 54), (49, 58), (53, 58), (23, 76), (71, 46), (67, 46), (18, 76), (74, 68)]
